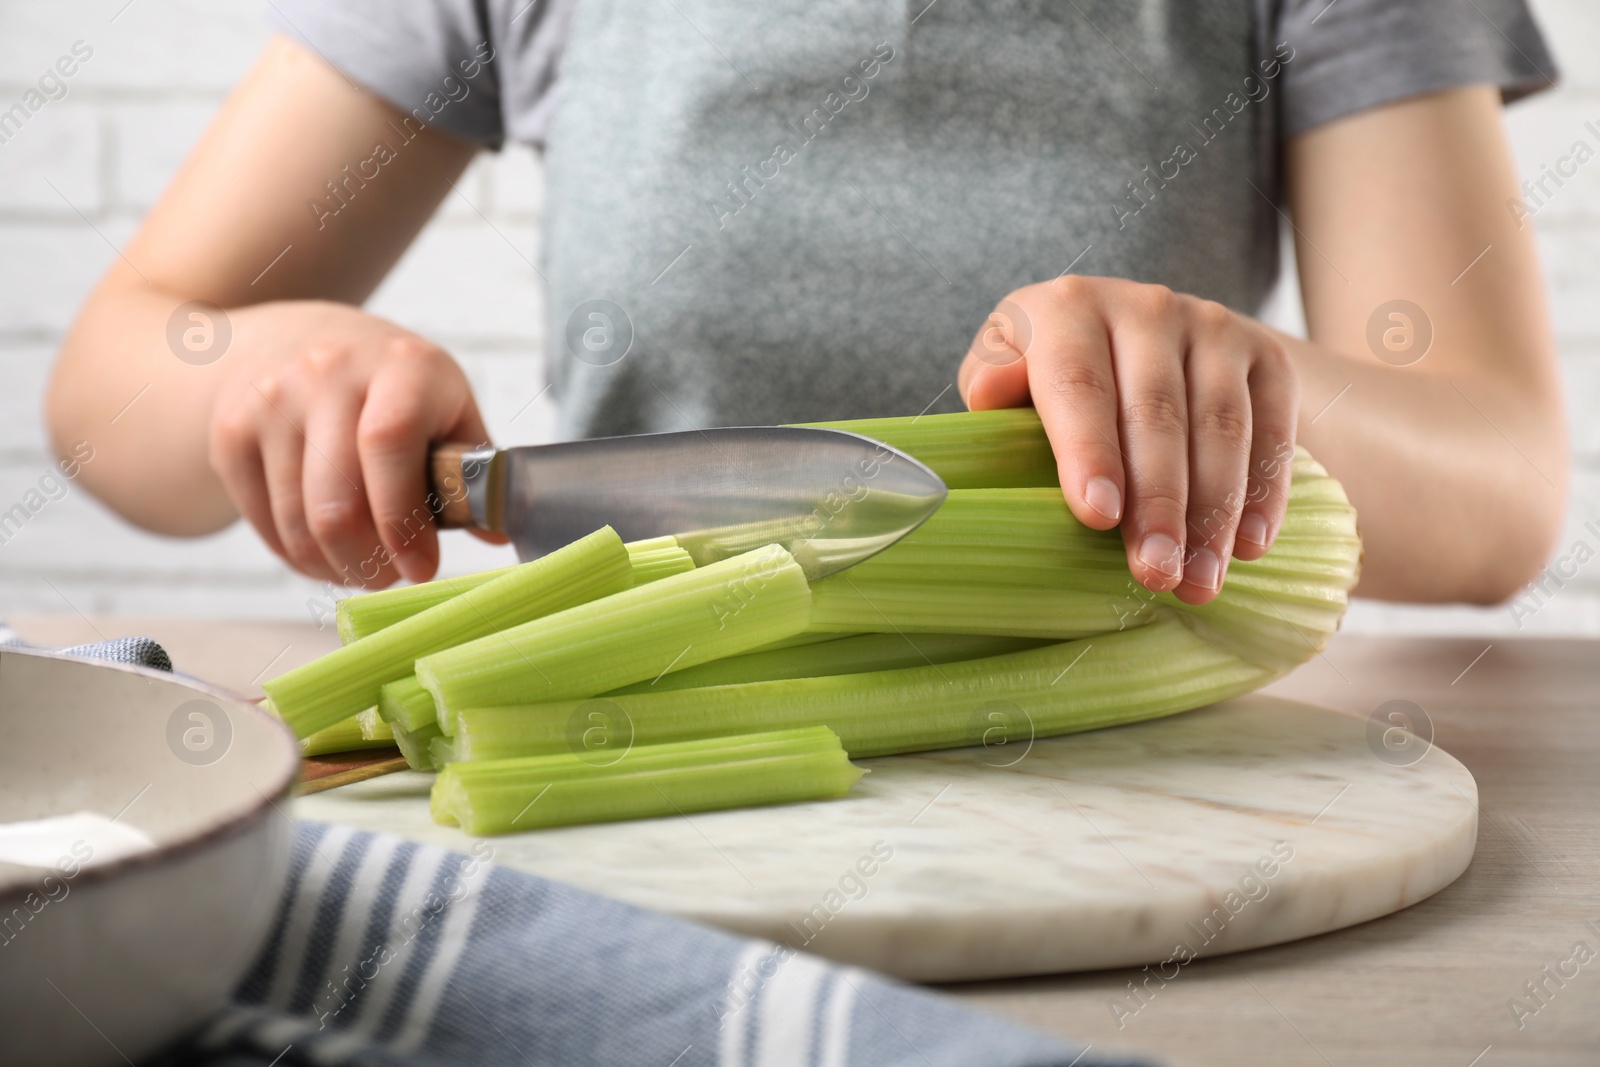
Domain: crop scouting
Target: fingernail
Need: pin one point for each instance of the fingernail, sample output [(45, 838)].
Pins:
[(1103, 495), (1204, 570), (1161, 553), (1253, 528)]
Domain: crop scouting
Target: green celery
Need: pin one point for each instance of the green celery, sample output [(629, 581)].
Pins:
[(404, 703), (648, 781), (363, 614), (844, 655), (1146, 655), (413, 745), (366, 613), (348, 679), (1015, 561), (1156, 669), (796, 641), (343, 736), (998, 449), (656, 558), (998, 561), (722, 609), (373, 727)]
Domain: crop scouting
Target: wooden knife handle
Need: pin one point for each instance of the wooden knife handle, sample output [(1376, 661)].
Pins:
[(447, 484)]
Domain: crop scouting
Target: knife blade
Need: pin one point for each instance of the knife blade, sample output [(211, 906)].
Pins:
[(830, 497)]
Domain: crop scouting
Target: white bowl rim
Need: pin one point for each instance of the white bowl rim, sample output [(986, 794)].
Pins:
[(210, 833)]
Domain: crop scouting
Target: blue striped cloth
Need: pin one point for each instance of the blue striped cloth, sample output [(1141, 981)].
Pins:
[(137, 650), (386, 952)]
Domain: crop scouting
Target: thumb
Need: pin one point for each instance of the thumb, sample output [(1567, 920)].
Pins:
[(995, 372), (985, 386), (469, 426)]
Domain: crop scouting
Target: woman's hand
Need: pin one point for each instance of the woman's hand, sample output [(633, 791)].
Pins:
[(321, 439), (1169, 415), (309, 417)]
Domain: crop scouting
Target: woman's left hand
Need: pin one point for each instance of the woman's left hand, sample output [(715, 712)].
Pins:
[(1169, 415)]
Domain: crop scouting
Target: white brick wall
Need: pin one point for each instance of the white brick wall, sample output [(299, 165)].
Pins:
[(159, 69)]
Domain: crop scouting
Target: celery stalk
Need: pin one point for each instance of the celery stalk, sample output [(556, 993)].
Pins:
[(648, 781), (723, 609), (997, 561), (348, 679), (404, 703), (1015, 561), (1020, 565), (364, 614), (343, 736), (998, 449), (843, 655), (372, 726), (657, 557), (1106, 680), (796, 641), (413, 745)]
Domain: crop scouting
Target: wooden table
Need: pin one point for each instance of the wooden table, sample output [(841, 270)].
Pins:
[(1434, 984)]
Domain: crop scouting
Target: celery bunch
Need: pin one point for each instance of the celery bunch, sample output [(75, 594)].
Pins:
[(621, 681)]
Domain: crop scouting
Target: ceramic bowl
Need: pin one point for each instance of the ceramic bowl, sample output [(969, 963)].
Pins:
[(105, 963)]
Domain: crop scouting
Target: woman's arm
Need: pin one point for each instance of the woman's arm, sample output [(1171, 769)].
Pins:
[(1166, 412), (314, 421), (1457, 463)]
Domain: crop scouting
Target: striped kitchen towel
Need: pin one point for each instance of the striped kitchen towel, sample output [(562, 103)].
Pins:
[(387, 952), (137, 650)]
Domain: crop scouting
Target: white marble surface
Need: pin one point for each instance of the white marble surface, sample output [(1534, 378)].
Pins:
[(1141, 844)]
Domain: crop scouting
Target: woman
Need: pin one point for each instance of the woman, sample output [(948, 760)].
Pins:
[(792, 211)]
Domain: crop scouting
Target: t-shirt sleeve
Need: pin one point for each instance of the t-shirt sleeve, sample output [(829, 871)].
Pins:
[(1349, 55), (436, 59)]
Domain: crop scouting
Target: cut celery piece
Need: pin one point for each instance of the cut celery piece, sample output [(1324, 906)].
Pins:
[(348, 679), (998, 449), (722, 609), (343, 736), (364, 614), (845, 655), (373, 728), (645, 782), (404, 703), (656, 558), (1156, 669), (413, 745)]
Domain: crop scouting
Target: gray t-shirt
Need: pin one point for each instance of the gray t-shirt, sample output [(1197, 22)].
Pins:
[(800, 210)]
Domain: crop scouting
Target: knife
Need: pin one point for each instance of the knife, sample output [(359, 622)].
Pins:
[(830, 497)]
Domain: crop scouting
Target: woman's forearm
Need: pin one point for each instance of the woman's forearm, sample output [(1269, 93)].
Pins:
[(145, 410), (1455, 460), (1459, 482)]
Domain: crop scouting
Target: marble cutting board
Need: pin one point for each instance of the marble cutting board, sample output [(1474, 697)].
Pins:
[(1248, 823)]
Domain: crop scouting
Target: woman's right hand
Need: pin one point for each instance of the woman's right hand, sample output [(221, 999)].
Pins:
[(321, 438)]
